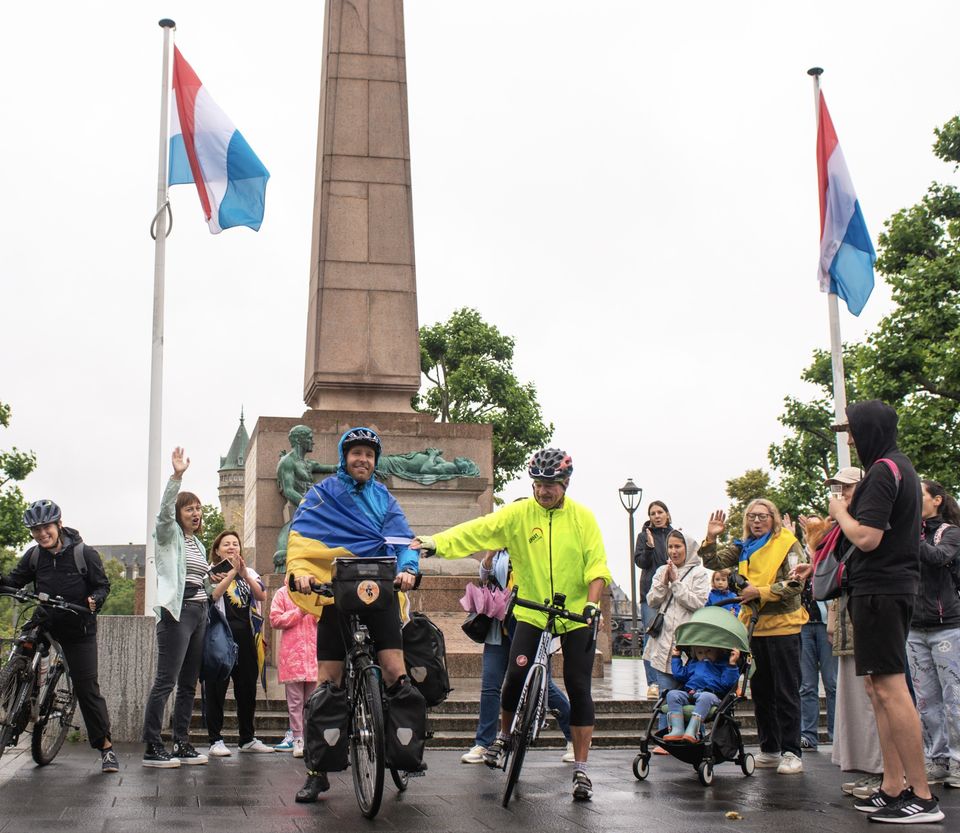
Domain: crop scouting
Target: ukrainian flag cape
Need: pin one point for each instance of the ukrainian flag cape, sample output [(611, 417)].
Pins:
[(329, 523)]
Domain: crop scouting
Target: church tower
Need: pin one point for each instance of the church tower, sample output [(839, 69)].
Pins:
[(231, 480)]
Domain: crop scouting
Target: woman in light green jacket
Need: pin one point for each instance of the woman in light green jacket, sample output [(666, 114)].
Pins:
[(181, 611)]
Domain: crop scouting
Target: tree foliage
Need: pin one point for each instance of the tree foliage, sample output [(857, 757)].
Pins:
[(911, 360), (212, 525), (122, 590), (469, 365), (15, 465)]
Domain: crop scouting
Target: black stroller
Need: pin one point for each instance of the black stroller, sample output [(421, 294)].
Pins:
[(717, 628)]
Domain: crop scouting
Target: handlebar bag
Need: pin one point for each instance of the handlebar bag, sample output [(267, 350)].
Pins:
[(326, 717), (363, 585)]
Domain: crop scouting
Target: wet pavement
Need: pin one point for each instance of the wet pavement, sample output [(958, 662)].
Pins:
[(255, 793)]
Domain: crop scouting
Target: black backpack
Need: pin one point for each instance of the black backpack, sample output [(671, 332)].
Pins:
[(78, 557), (425, 657)]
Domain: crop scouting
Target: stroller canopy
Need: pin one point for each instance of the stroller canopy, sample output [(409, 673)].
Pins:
[(714, 627)]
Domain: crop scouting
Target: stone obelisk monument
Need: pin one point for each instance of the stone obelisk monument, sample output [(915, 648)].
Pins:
[(363, 354), (362, 347)]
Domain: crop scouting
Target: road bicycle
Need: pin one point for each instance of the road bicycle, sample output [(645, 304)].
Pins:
[(531, 713), (363, 681), (35, 682)]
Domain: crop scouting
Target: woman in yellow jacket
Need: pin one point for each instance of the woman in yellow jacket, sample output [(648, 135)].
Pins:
[(555, 547), (766, 557)]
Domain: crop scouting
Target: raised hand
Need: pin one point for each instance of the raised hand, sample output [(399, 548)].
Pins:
[(650, 543), (734, 656), (788, 524), (716, 524), (180, 462)]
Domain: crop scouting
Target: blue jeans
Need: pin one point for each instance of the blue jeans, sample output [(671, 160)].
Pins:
[(646, 615), (816, 662), (495, 659), (935, 665), (703, 701)]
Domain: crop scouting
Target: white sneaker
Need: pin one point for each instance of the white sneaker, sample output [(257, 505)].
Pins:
[(256, 745), (474, 756), (767, 760), (298, 747), (790, 764), (219, 750), (569, 757)]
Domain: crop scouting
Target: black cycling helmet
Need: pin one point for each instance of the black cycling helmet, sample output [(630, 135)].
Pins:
[(550, 464), (360, 436), (41, 512)]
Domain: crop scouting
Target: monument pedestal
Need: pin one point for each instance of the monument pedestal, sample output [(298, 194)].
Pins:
[(428, 508)]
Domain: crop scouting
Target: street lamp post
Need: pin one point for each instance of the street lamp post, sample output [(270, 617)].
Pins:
[(630, 495)]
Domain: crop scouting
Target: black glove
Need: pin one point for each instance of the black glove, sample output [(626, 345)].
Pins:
[(591, 611)]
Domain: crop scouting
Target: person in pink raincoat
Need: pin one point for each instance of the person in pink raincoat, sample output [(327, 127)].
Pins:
[(296, 663)]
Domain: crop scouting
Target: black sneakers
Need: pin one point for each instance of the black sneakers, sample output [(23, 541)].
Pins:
[(108, 760), (582, 786), (156, 755), (187, 754), (909, 809), (496, 755), (875, 801), (317, 782)]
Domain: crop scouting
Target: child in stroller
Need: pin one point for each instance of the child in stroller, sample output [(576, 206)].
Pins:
[(704, 680)]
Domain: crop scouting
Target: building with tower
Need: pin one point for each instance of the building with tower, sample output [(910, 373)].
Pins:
[(231, 479)]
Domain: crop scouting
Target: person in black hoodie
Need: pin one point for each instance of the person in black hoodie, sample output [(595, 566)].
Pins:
[(51, 565), (883, 523), (933, 644), (649, 554)]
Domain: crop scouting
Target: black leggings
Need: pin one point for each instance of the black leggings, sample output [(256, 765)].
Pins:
[(578, 651)]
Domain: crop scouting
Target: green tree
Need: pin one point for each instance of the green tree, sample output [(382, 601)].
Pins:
[(14, 467), (469, 365), (122, 590), (8, 560), (212, 525)]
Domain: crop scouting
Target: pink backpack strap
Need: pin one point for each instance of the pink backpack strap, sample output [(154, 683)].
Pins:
[(894, 469), (938, 535)]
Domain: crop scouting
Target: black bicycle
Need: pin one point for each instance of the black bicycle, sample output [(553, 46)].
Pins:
[(531, 713), (363, 681), (35, 682)]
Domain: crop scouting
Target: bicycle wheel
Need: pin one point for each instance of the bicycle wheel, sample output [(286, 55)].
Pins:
[(366, 742), (55, 716), (400, 778), (526, 724), (9, 699)]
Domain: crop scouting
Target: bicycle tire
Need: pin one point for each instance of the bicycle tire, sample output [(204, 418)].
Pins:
[(524, 734), (15, 696), (366, 742), (400, 779), (55, 716)]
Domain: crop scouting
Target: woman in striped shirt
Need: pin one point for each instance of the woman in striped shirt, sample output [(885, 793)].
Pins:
[(181, 610)]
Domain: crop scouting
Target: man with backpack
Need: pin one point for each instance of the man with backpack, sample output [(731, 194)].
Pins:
[(60, 564), (883, 523), (350, 513)]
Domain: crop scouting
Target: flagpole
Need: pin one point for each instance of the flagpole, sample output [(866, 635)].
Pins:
[(833, 310), (159, 230)]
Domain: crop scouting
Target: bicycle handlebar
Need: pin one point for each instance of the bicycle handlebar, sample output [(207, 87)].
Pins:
[(44, 599)]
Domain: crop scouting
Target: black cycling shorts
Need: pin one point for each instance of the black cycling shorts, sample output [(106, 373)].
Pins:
[(333, 631)]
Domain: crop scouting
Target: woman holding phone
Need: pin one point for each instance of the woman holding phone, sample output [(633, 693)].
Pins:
[(238, 594)]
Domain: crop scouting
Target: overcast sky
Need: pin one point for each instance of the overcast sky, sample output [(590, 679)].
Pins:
[(627, 188)]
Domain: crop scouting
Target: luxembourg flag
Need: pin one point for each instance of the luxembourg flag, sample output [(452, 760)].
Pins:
[(205, 148), (846, 252)]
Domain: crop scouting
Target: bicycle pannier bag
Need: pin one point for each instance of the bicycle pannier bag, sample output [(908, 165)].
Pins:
[(219, 648), (326, 718), (425, 656), (405, 723), (363, 585)]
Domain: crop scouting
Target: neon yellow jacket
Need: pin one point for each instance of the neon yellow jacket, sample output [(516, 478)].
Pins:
[(551, 551)]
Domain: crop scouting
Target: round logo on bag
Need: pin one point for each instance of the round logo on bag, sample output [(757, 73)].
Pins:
[(368, 592)]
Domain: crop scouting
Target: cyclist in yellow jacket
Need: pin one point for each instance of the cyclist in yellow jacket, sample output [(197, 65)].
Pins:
[(555, 547)]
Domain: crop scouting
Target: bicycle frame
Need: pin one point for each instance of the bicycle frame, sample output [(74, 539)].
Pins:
[(548, 645)]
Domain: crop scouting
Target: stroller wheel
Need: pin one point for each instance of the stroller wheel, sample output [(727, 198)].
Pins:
[(747, 763), (641, 767), (705, 773)]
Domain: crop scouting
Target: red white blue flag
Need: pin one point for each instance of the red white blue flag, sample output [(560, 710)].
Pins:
[(846, 252), (206, 149)]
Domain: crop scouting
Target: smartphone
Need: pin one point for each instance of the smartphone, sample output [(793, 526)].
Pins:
[(222, 567), (836, 489)]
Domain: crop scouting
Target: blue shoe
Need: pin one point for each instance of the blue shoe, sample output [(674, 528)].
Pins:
[(286, 745)]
